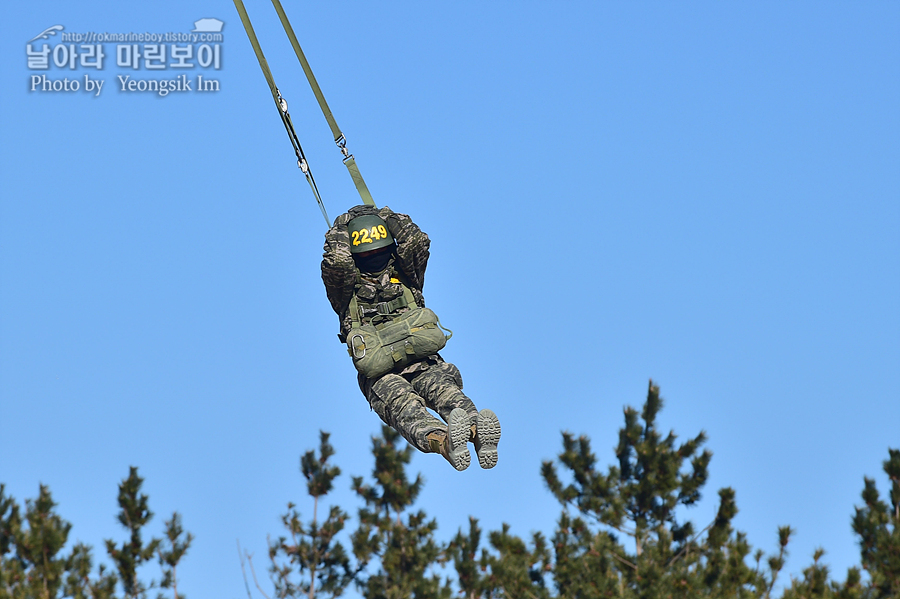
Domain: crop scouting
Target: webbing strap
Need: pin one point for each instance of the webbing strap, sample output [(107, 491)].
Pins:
[(385, 308), (339, 138), (281, 104), (357, 177), (354, 312), (408, 296), (407, 299)]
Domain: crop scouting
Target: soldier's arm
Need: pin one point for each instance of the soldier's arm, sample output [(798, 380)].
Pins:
[(338, 268), (412, 245)]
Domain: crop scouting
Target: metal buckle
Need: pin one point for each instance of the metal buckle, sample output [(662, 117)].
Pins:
[(355, 348), (342, 145)]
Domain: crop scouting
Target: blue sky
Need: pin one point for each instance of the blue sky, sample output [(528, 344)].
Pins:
[(704, 194)]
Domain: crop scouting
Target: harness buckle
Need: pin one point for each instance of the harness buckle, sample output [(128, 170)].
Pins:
[(387, 308)]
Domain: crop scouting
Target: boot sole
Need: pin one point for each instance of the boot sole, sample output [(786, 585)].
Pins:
[(487, 435), (458, 428)]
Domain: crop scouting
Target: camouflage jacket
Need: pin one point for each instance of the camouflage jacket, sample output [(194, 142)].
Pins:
[(342, 279)]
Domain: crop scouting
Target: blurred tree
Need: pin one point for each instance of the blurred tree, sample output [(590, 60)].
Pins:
[(32, 565), (463, 551), (878, 526), (627, 539), (36, 569), (639, 498), (312, 549), (509, 569), (406, 551), (134, 514), (11, 568), (79, 585), (170, 551), (815, 583)]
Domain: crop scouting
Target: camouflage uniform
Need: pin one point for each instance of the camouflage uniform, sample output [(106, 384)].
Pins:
[(400, 398)]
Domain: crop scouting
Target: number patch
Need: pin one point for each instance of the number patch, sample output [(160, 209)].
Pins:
[(369, 235)]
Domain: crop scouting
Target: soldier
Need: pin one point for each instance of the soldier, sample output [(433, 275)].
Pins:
[(374, 269)]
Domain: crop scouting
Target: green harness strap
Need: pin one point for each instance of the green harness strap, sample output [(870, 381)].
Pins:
[(281, 104), (383, 308), (339, 138), (386, 308)]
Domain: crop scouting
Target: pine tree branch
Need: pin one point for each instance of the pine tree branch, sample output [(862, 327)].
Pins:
[(253, 572), (688, 544), (506, 594), (243, 571), (596, 518), (623, 560)]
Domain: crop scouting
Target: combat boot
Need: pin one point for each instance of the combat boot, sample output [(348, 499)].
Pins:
[(452, 443), (486, 437)]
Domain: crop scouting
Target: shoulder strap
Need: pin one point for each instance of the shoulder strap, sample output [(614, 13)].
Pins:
[(354, 312), (384, 308)]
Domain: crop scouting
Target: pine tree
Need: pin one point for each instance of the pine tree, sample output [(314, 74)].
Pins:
[(31, 563), (11, 568), (586, 562), (638, 498), (878, 526), (170, 552), (312, 548), (816, 583), (35, 568), (515, 570), (774, 563), (406, 550), (79, 584), (134, 514), (509, 569), (463, 551)]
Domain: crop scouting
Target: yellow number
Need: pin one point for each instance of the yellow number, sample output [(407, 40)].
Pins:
[(364, 236), (375, 234), (383, 231), (356, 238)]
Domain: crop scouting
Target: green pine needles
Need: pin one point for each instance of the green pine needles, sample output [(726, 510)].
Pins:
[(321, 563), (34, 565), (622, 533)]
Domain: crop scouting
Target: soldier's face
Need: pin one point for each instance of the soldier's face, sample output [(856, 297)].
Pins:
[(373, 260)]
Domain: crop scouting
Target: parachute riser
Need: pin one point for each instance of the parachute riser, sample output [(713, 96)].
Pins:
[(281, 105), (339, 138)]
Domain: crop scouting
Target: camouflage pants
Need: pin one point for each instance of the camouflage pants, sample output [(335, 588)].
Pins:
[(402, 400)]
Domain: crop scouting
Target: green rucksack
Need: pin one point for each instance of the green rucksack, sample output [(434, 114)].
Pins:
[(379, 349)]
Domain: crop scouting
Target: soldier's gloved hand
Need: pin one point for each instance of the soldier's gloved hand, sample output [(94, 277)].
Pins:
[(342, 220), (361, 210), (337, 239), (395, 222), (402, 228)]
